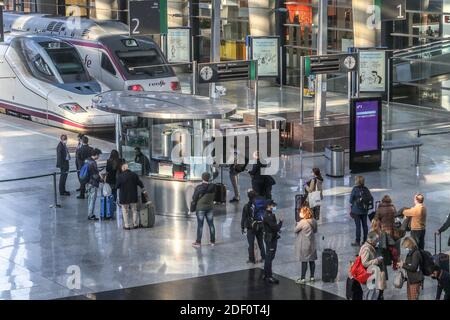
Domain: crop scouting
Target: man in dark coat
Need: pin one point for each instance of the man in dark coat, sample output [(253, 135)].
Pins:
[(62, 162), (444, 227), (143, 160), (128, 183), (271, 236), (83, 154), (262, 184)]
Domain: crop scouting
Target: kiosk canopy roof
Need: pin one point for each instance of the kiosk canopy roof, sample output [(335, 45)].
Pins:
[(163, 105)]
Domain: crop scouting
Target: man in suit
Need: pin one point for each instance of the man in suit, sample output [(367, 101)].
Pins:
[(84, 153), (62, 162)]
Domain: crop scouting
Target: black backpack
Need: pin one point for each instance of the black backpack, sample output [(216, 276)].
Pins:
[(364, 200), (426, 262)]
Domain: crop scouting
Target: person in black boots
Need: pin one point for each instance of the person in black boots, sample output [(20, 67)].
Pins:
[(262, 184), (62, 162), (271, 236), (84, 153), (253, 228)]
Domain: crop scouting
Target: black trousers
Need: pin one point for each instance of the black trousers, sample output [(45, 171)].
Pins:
[(271, 249), (63, 179), (419, 237), (251, 235)]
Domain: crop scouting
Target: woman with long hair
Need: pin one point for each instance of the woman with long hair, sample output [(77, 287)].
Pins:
[(315, 184), (305, 243)]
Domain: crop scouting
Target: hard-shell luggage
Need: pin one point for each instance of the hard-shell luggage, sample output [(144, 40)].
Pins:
[(372, 214), (107, 207), (299, 202), (147, 215), (330, 264), (353, 290), (220, 195), (441, 259)]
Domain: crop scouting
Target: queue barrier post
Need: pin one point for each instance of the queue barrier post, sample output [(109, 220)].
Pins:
[(55, 193)]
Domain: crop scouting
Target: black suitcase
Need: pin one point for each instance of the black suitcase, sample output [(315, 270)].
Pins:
[(220, 195), (299, 201), (441, 259), (353, 290), (330, 264)]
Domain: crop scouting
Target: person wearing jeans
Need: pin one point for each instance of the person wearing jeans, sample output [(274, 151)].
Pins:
[(93, 183), (203, 200), (360, 209)]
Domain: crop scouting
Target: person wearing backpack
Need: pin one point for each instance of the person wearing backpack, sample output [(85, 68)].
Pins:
[(203, 205), (315, 184), (418, 215), (443, 279), (83, 154), (412, 266), (271, 236), (361, 201), (305, 243), (93, 178), (253, 228)]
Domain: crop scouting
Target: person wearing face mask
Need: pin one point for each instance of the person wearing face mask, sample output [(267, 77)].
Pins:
[(443, 280), (411, 265), (62, 162), (369, 257), (271, 236), (305, 243)]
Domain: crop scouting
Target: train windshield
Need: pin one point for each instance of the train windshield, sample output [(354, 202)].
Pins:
[(68, 64), (144, 62)]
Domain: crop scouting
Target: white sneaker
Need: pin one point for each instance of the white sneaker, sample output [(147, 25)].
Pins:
[(312, 279), (300, 281)]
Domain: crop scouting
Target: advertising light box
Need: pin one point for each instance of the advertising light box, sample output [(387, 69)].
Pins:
[(372, 71), (179, 45), (266, 51)]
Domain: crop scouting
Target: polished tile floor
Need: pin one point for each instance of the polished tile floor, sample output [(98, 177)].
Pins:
[(40, 244)]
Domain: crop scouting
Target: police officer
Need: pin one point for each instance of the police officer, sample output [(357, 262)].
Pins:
[(271, 235)]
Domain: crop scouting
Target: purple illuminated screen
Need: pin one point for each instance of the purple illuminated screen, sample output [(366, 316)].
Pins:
[(366, 126)]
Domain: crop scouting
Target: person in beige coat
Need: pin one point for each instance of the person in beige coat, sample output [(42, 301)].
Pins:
[(315, 184), (305, 243)]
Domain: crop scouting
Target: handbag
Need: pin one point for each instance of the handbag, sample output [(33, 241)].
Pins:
[(144, 198), (358, 272), (106, 190), (314, 197), (399, 279)]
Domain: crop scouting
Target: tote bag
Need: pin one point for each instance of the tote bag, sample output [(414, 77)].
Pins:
[(314, 197)]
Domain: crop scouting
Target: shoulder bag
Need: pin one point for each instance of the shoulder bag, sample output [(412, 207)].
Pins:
[(314, 197)]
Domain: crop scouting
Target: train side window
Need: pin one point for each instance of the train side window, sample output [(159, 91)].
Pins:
[(107, 65)]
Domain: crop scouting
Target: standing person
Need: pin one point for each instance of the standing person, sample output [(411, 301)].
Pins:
[(77, 163), (361, 201), (443, 280), (62, 162), (444, 227), (262, 184), (143, 160), (253, 228), (203, 200), (93, 183), (112, 168), (128, 183), (235, 169), (83, 154), (305, 243), (418, 215), (271, 236), (369, 257), (411, 265), (315, 184)]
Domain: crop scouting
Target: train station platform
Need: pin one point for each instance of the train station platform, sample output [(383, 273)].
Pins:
[(38, 242)]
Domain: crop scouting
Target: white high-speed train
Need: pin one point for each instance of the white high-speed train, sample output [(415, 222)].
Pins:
[(110, 55), (43, 79)]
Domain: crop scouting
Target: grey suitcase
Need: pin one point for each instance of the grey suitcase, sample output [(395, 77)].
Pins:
[(147, 215)]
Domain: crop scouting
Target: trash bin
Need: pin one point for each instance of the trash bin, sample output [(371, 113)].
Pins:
[(335, 161)]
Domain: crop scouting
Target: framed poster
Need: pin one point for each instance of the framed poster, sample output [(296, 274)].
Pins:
[(266, 51), (179, 45), (372, 71)]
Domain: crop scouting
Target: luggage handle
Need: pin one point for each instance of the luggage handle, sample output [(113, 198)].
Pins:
[(435, 243)]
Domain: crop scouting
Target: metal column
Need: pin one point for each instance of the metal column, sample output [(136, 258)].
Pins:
[(2, 36), (215, 39), (320, 108)]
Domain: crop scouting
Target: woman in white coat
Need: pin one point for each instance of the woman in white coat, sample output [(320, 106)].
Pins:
[(305, 243)]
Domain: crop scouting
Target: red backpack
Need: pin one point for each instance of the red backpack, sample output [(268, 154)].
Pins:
[(358, 272)]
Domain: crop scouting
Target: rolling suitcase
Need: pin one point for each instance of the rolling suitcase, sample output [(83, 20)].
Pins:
[(299, 202), (107, 207), (330, 265), (441, 259), (147, 215), (220, 195)]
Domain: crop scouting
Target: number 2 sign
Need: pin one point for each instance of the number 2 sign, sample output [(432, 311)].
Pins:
[(148, 17)]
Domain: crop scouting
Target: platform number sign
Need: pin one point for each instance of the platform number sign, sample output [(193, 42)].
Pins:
[(147, 17), (393, 10)]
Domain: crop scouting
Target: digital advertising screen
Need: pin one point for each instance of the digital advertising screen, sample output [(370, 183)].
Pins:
[(366, 126)]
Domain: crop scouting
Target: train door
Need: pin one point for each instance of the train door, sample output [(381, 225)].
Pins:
[(110, 75), (91, 60)]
